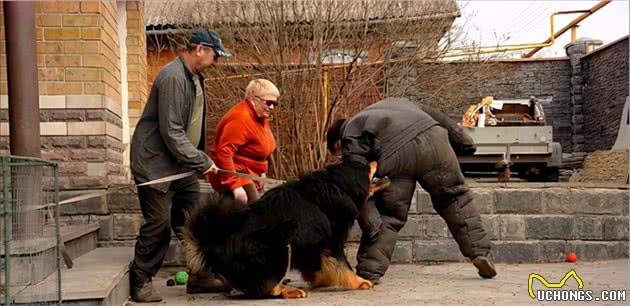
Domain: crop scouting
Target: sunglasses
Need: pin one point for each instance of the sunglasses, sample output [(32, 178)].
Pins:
[(208, 49), (269, 103)]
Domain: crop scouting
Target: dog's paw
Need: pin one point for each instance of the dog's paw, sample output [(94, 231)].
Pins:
[(365, 284), (289, 292)]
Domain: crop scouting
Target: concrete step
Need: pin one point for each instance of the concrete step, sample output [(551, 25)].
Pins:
[(98, 278), (80, 239), (33, 260)]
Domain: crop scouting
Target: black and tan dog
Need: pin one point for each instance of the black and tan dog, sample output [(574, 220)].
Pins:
[(302, 224)]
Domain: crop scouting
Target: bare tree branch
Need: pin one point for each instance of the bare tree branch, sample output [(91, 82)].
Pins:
[(364, 45)]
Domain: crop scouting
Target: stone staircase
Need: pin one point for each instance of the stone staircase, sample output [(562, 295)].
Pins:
[(92, 276), (99, 277), (99, 274), (34, 259)]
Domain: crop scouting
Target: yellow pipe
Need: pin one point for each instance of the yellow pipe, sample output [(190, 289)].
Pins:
[(325, 97), (574, 22), (547, 43)]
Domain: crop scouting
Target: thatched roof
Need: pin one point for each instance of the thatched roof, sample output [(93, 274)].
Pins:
[(174, 13)]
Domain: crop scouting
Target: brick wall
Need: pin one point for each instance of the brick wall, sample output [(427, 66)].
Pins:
[(109, 49), (605, 80), (454, 86), (80, 102), (136, 61)]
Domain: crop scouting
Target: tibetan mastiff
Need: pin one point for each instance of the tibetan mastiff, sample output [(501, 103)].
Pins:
[(302, 224)]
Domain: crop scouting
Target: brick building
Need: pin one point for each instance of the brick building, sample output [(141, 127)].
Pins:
[(91, 58)]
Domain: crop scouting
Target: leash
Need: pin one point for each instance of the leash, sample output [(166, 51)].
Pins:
[(96, 194), (381, 184), (254, 178), (169, 178), (165, 179)]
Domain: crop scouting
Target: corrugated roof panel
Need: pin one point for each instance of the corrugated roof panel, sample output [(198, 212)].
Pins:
[(191, 12)]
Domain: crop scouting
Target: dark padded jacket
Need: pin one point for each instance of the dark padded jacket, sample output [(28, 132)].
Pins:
[(159, 146), (461, 143), (382, 128)]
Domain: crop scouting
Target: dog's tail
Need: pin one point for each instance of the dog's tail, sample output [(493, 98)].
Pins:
[(211, 222)]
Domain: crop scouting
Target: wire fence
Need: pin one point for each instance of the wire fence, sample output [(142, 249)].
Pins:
[(29, 227)]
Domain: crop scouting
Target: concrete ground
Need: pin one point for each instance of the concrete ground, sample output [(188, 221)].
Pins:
[(443, 284)]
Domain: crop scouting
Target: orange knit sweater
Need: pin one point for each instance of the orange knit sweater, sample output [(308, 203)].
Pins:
[(242, 142)]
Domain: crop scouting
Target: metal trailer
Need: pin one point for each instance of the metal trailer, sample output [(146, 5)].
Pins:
[(529, 151)]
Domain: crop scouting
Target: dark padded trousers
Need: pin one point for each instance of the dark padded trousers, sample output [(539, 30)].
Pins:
[(429, 160), (162, 212)]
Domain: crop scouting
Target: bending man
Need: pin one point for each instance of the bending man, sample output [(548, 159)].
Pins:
[(410, 146)]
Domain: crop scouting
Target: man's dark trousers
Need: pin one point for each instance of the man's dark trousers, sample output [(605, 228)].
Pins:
[(429, 160), (162, 211)]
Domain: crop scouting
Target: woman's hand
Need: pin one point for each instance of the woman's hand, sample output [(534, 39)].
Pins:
[(240, 194), (214, 169)]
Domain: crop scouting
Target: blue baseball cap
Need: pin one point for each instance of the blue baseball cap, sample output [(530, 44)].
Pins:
[(209, 39)]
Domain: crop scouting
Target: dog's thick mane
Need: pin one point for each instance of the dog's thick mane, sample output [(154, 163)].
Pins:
[(218, 217), (327, 187), (217, 227)]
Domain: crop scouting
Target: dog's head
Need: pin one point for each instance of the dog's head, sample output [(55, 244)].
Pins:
[(354, 178), (258, 260)]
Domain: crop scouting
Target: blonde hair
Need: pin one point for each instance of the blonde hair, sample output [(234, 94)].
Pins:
[(261, 88)]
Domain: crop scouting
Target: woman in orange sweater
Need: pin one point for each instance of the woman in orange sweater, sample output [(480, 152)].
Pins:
[(243, 142)]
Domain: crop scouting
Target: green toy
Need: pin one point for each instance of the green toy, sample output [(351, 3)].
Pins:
[(181, 277)]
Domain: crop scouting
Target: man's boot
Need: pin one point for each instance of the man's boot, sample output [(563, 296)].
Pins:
[(141, 287), (485, 267), (205, 283), (145, 294)]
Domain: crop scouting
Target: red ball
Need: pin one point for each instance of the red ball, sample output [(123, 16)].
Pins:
[(571, 257)]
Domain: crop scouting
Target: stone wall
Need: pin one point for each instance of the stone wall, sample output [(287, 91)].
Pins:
[(605, 79), (524, 224), (454, 86), (586, 90)]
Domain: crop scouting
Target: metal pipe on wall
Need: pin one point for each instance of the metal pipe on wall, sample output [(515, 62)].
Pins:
[(571, 24), (21, 46)]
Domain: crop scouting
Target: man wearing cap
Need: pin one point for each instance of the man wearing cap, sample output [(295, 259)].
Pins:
[(169, 139)]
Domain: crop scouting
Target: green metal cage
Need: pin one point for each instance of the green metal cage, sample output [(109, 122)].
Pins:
[(30, 252)]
